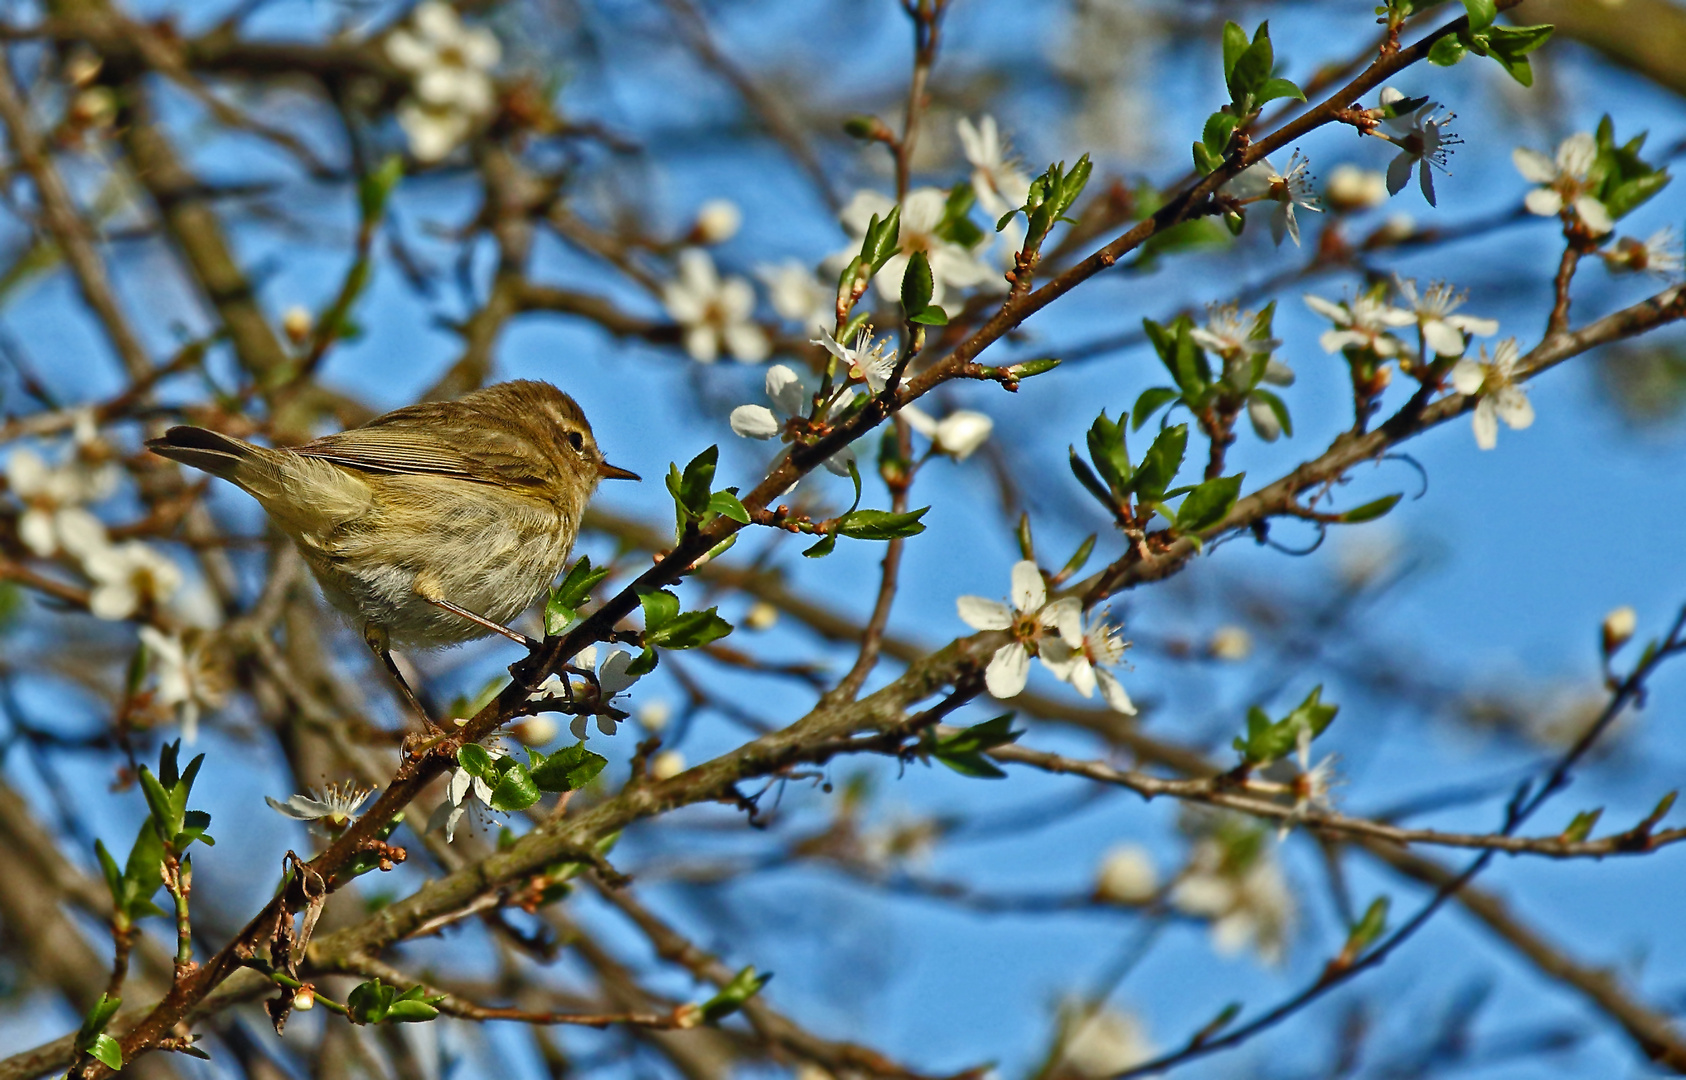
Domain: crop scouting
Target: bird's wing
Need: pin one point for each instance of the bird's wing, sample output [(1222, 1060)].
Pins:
[(425, 439)]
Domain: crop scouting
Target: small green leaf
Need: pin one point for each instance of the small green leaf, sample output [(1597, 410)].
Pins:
[(1252, 69), (1109, 452), (1277, 406), (1150, 402), (476, 760), (917, 284), (1235, 43), (576, 586), (1078, 557), (99, 1015), (881, 524), (660, 607), (694, 487), (1278, 88), (826, 545), (106, 1051), (1215, 136), (569, 769), (1086, 476), (1481, 13), (1581, 827), (516, 790), (930, 315), (1369, 929), (1372, 510), (745, 985), (368, 1002), (1446, 51), (1161, 463), (158, 801), (881, 240), (1207, 504), (411, 1012), (726, 504), (689, 630), (375, 188)]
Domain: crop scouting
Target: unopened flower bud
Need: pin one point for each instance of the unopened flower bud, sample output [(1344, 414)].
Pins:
[(761, 616), (1127, 876), (82, 67), (717, 221), (1352, 189), (305, 999), (653, 715), (1396, 229), (297, 324), (1618, 628), (536, 730), (667, 764), (1231, 643)]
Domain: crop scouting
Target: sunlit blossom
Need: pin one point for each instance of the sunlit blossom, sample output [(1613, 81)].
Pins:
[(1029, 617)]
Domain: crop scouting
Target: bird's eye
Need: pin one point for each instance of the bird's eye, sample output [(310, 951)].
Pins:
[(576, 440)]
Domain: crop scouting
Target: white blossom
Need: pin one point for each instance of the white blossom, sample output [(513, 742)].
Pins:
[(952, 266), (1087, 663), (865, 360), (1230, 642), (1290, 189), (1361, 322), (459, 785), (667, 764), (1228, 331), (799, 296), (1127, 876), (612, 679), (449, 65), (1618, 628), (1028, 618), (791, 402), (334, 807), (1502, 395), (718, 220), (187, 683), (53, 495), (127, 577), (716, 314), (1423, 142), (1442, 330), (1103, 1042), (958, 435), (1352, 189), (1239, 887), (1564, 182), (1000, 183), (1659, 254)]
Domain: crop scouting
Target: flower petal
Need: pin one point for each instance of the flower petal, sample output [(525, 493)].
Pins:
[(1008, 669), (1593, 215), (785, 390), (1444, 338), (755, 422), (1545, 202), (1029, 592), (747, 342), (1534, 166), (1065, 616), (1467, 376), (1512, 406), (1114, 694), (981, 614), (1485, 424)]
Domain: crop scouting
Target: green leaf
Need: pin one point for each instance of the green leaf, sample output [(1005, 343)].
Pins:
[(1624, 198), (476, 760), (1481, 13), (881, 524), (576, 586), (1215, 136), (1446, 51), (106, 1051), (930, 315), (827, 543), (881, 240), (971, 763), (409, 1011), (744, 985), (1369, 929), (698, 480), (643, 663), (1108, 451), (1509, 45), (368, 1002), (1252, 69), (569, 769), (963, 751), (689, 630), (1149, 403), (1086, 476), (516, 790), (1235, 43), (1161, 463), (1372, 510), (660, 607), (1032, 368), (917, 284), (1205, 160), (375, 189), (1266, 742), (99, 1015), (1581, 827), (158, 801), (1207, 504), (1278, 88), (726, 504), (113, 874), (1078, 557)]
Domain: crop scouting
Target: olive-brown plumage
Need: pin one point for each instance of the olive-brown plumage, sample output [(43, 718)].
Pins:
[(470, 504)]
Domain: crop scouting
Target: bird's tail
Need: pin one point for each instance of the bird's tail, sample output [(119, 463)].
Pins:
[(254, 468)]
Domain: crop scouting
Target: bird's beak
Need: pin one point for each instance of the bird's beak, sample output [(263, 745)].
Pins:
[(614, 472)]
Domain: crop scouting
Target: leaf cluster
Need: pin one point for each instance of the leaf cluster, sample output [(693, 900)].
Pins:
[(169, 829), (374, 1002), (1268, 740), (516, 785), (1509, 46)]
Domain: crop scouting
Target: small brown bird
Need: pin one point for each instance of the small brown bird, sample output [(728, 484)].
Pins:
[(433, 524)]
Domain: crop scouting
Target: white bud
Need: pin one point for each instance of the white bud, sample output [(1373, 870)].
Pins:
[(717, 221), (1352, 189), (538, 730), (1619, 626), (653, 715), (297, 324), (761, 616), (667, 764), (305, 999), (1127, 876), (1230, 643)]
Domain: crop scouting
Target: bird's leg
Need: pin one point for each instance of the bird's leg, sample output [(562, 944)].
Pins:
[(429, 591), (376, 638)]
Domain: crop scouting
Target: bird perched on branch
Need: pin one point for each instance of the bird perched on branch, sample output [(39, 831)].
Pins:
[(431, 525)]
